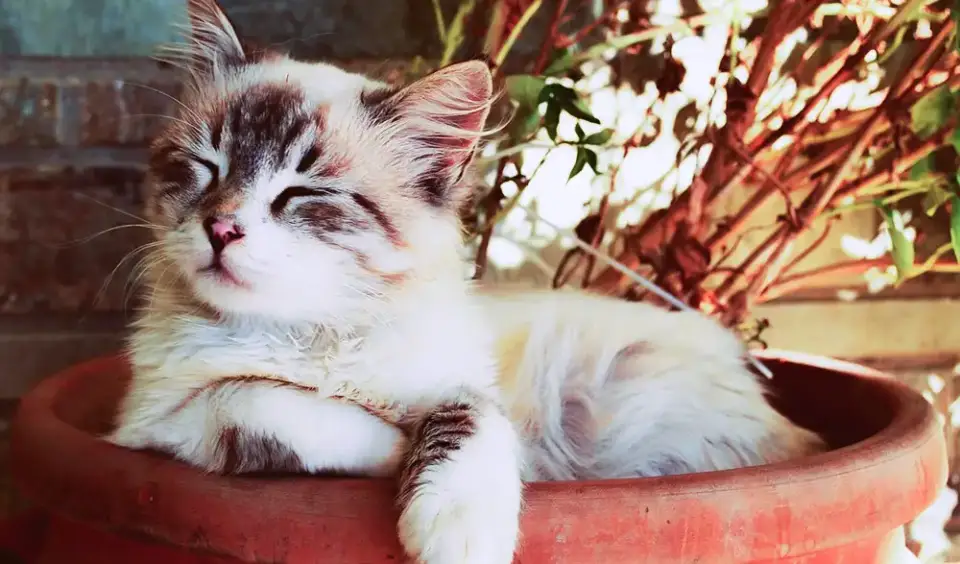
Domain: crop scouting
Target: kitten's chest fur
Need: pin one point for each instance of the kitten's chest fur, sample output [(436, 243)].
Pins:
[(309, 356), (408, 359)]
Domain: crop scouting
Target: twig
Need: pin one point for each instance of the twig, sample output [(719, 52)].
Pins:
[(715, 173), (726, 287), (441, 25), (821, 198), (845, 73), (798, 179), (904, 163), (790, 284), (550, 42), (586, 30), (491, 205), (785, 20), (772, 178), (813, 246), (782, 239), (515, 32)]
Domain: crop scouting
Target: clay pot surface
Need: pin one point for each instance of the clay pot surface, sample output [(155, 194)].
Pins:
[(111, 505)]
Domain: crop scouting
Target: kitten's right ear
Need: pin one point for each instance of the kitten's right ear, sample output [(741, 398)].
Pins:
[(214, 44)]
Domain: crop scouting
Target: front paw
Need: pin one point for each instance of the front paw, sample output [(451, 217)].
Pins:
[(479, 529), (460, 489)]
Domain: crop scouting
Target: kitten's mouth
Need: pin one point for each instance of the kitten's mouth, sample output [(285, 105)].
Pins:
[(219, 272)]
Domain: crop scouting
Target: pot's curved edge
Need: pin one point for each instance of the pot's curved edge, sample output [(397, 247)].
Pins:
[(130, 483), (820, 361), (91, 480)]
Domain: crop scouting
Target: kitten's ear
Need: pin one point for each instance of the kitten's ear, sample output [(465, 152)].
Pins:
[(444, 114), (213, 40)]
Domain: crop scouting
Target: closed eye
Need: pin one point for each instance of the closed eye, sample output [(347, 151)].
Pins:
[(210, 166), (294, 192)]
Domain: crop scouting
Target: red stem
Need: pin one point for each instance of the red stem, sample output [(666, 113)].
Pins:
[(801, 280), (551, 41)]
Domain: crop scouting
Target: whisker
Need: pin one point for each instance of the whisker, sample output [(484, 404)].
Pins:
[(158, 283), (192, 126), (150, 260), (104, 232), (106, 283), (109, 207), (162, 93)]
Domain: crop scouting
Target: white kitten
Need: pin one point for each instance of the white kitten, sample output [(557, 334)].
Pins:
[(307, 312)]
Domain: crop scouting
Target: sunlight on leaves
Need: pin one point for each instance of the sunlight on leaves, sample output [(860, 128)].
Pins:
[(901, 247), (955, 226)]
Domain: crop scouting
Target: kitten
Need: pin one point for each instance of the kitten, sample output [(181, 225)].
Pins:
[(307, 311)]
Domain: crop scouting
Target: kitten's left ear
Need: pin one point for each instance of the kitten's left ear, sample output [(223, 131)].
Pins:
[(214, 43), (439, 120)]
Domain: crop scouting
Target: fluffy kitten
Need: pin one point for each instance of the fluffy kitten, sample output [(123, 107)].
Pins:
[(307, 311)]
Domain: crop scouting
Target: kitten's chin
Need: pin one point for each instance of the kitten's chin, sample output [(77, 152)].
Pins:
[(224, 292), (242, 300)]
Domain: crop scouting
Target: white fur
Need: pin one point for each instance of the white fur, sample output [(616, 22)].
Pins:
[(608, 389), (571, 386)]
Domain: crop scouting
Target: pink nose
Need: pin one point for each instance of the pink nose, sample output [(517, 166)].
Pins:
[(221, 232)]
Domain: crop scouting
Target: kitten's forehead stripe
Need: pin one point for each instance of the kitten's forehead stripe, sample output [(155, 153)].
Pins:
[(294, 132), (264, 121)]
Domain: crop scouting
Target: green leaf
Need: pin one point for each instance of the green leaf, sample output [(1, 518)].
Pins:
[(955, 140), (955, 226), (599, 138), (560, 63), (525, 89), (931, 111), (552, 92), (579, 131), (524, 125), (893, 46), (576, 108), (933, 199), (582, 157), (901, 247), (955, 14), (922, 168), (568, 100), (592, 160), (551, 119)]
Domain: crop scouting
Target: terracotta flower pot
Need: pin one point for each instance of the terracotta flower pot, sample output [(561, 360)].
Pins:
[(109, 505)]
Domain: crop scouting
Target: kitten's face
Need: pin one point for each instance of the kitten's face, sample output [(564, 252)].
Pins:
[(304, 193)]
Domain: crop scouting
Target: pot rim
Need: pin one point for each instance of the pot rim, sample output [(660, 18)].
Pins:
[(908, 455)]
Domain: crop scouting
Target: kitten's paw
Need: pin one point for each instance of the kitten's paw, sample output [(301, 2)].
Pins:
[(438, 530), (461, 490)]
